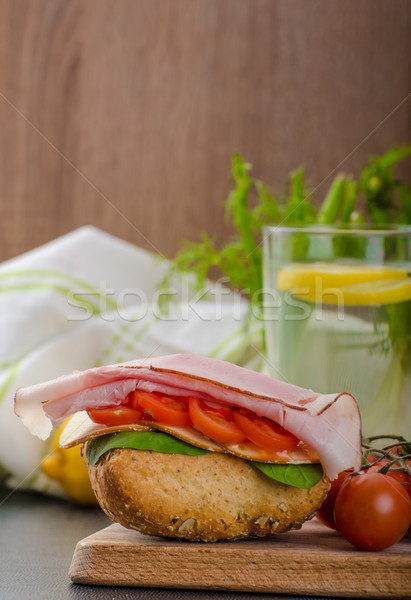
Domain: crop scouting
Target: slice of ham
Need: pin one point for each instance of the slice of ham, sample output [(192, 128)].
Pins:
[(328, 424)]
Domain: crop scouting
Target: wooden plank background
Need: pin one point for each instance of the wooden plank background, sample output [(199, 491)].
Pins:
[(125, 114)]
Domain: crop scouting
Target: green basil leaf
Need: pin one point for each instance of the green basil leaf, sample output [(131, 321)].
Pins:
[(140, 440), (302, 476)]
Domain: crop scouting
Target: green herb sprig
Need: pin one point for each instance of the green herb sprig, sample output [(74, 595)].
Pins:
[(376, 196)]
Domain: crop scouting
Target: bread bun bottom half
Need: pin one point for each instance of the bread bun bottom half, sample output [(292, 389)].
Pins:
[(205, 498)]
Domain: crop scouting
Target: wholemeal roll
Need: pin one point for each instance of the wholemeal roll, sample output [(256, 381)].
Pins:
[(198, 498)]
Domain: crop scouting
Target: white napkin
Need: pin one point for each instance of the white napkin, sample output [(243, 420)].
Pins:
[(88, 299)]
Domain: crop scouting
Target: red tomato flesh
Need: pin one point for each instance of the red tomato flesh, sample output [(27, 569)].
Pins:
[(164, 409), (213, 424), (224, 425), (227, 413), (263, 432), (115, 415)]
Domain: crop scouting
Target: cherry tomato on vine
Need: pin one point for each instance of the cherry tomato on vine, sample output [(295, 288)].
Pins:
[(326, 513), (372, 511)]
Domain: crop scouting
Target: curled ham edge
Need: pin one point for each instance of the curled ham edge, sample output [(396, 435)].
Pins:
[(328, 424)]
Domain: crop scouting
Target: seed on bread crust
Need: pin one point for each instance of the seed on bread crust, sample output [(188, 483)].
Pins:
[(207, 498)]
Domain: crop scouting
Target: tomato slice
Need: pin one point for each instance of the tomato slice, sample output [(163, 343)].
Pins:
[(164, 409), (213, 424), (227, 413), (115, 415), (263, 432)]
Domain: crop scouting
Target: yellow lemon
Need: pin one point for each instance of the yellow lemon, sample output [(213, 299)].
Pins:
[(67, 467), (346, 284), (388, 291), (333, 275)]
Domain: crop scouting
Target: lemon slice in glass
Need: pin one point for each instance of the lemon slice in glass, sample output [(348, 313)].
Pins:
[(346, 284), (333, 275), (385, 291)]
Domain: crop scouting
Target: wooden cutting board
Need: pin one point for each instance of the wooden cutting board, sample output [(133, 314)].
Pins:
[(312, 561)]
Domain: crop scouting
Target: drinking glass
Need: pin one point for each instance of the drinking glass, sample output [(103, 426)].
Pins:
[(337, 316)]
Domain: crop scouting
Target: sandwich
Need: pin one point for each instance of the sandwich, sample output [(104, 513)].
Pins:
[(196, 448)]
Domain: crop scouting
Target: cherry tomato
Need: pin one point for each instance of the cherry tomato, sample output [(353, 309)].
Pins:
[(326, 513), (115, 415), (164, 409), (213, 424), (263, 432), (372, 511)]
